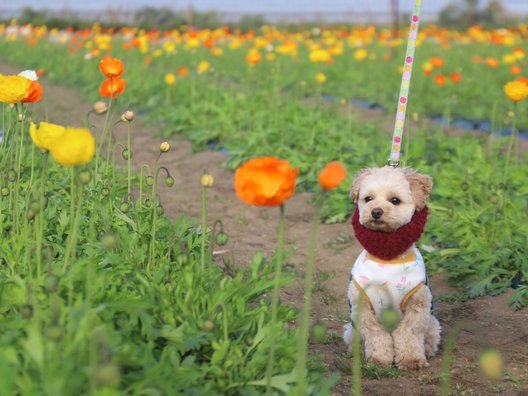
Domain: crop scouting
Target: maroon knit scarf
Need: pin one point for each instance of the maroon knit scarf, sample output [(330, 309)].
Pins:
[(389, 245)]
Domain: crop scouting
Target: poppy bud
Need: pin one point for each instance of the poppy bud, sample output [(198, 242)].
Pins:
[(100, 107), (11, 175), (491, 364), (109, 242), (5, 191), (389, 319), (125, 207), (221, 238), (26, 311), (128, 116), (165, 147), (318, 333), (169, 181), (126, 154), (30, 215), (51, 283), (207, 180), (21, 117), (105, 191), (160, 210), (85, 177), (208, 326)]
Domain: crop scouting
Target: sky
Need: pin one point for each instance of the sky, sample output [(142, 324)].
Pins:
[(251, 5)]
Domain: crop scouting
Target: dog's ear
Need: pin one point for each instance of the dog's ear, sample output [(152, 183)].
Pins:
[(421, 186), (356, 184)]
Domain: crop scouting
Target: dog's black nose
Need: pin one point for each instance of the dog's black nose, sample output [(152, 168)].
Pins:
[(377, 213)]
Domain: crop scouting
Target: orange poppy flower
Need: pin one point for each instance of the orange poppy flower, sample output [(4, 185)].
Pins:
[(515, 70), (253, 57), (40, 72), (111, 67), (436, 62), (492, 62), (332, 175), (112, 87), (182, 71), (455, 77), (440, 79), (35, 93), (265, 181)]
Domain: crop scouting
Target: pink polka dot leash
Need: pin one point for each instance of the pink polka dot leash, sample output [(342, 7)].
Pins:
[(403, 99)]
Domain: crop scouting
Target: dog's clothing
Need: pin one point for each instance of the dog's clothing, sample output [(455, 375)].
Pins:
[(388, 283)]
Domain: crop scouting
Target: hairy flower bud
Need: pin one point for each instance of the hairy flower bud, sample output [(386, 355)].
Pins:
[(100, 107), (128, 116)]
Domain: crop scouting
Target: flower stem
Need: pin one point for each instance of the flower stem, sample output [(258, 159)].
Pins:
[(356, 348), (302, 345), (41, 218), (275, 300), (203, 225), (129, 157), (510, 145)]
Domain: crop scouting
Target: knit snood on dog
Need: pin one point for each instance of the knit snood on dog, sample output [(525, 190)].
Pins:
[(389, 245)]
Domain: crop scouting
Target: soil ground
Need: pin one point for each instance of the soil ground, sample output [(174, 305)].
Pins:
[(483, 322)]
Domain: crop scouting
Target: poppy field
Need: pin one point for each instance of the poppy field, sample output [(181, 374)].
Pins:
[(102, 293)]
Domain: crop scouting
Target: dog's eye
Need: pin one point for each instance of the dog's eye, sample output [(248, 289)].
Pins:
[(395, 201), (368, 199)]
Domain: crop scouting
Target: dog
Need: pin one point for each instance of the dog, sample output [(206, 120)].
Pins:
[(389, 274)]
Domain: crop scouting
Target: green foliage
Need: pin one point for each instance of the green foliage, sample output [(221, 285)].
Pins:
[(110, 322)]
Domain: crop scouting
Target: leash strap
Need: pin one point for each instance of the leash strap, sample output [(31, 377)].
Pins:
[(403, 98)]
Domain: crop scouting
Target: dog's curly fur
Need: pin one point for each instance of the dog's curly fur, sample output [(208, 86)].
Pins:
[(417, 335)]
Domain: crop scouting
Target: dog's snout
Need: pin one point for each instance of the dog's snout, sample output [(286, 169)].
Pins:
[(377, 213)]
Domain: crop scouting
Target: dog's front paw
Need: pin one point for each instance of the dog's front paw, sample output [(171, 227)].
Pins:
[(412, 364), (383, 361)]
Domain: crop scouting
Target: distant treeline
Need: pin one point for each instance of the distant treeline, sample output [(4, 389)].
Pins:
[(457, 15)]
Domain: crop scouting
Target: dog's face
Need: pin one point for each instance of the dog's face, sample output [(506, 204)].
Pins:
[(388, 197)]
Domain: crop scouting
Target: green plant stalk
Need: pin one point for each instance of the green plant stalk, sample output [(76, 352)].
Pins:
[(141, 184), (117, 145), (302, 344), (71, 245), (32, 171), (510, 145), (275, 300), (153, 225), (72, 197), (356, 348), (41, 217), (447, 361), (72, 238), (20, 141), (129, 158), (203, 225), (103, 136)]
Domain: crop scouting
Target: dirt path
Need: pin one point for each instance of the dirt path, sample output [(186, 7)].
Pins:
[(485, 322)]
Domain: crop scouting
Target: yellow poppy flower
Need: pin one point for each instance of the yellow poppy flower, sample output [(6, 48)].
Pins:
[(76, 146), (203, 67), (320, 78), (516, 90), (45, 134), (13, 88), (170, 78)]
